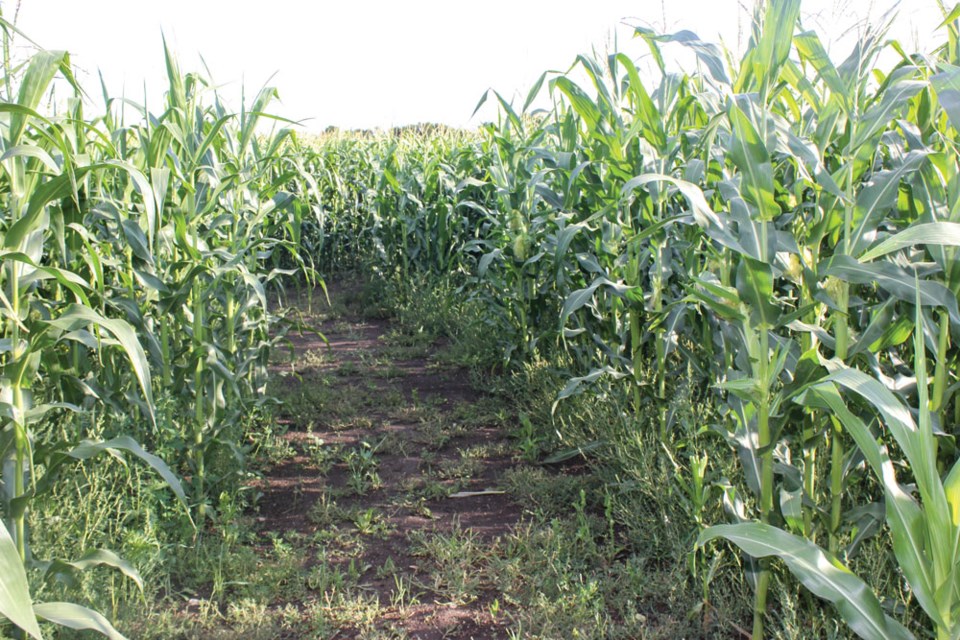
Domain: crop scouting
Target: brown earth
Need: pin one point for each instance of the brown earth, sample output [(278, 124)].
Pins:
[(416, 417)]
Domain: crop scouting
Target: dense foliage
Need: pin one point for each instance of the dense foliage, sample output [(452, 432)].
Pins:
[(784, 227), (137, 264)]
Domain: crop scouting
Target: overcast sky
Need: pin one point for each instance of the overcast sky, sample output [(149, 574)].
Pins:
[(370, 63)]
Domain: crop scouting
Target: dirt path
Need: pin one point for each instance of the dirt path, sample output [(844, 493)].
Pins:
[(395, 501), (391, 460)]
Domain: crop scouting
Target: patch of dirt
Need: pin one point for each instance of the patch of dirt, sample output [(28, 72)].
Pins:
[(416, 441)]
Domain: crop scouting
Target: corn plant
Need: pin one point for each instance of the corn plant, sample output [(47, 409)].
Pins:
[(925, 532), (136, 258), (48, 314)]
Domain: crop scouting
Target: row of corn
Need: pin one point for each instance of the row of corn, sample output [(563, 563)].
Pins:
[(786, 225), (142, 255)]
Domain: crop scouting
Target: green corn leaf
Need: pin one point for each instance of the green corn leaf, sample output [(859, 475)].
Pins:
[(755, 286), (63, 186), (908, 524), (34, 84), (650, 37), (652, 120), (15, 601), (819, 572), (699, 206), (56, 188), (947, 86), (581, 297), (811, 50), (950, 17), (77, 316), (511, 113), (581, 102), (807, 152), (481, 102), (136, 240), (89, 448), (177, 95), (605, 101), (68, 279), (96, 558), (896, 417), (749, 153), (951, 487), (776, 39), (146, 194), (916, 447), (211, 137), (74, 616), (796, 78), (707, 53), (576, 300), (929, 233), (250, 118), (879, 116), (746, 388), (878, 326), (895, 280), (791, 506), (534, 92), (573, 385), (31, 151), (877, 198)]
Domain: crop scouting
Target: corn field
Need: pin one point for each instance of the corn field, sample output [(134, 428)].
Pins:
[(138, 263), (782, 230)]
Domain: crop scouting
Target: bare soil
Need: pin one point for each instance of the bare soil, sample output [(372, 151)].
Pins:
[(416, 416)]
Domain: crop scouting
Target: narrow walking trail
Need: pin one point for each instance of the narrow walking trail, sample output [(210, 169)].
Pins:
[(395, 499), (393, 466)]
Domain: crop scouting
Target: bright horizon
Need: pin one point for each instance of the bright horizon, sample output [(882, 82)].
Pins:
[(381, 64)]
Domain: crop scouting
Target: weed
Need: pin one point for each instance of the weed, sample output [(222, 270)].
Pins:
[(460, 468), (370, 522), (322, 456), (457, 561), (325, 578), (362, 464), (348, 369)]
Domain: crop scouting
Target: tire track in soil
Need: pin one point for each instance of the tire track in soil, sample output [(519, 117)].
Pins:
[(419, 418)]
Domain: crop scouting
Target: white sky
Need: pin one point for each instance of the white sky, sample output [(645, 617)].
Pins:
[(370, 63)]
